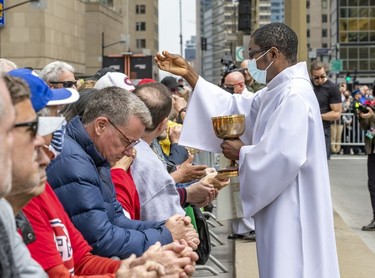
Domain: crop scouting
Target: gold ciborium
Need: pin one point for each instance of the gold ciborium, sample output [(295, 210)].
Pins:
[(227, 128)]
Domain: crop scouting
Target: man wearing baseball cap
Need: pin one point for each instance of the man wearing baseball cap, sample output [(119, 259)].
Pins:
[(40, 96), (46, 102), (116, 79)]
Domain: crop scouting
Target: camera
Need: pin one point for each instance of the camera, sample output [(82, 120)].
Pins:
[(227, 61), (360, 108)]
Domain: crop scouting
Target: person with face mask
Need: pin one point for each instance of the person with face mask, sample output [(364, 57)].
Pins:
[(283, 170), (234, 83)]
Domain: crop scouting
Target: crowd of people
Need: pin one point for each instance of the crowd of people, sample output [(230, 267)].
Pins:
[(87, 188), (97, 173)]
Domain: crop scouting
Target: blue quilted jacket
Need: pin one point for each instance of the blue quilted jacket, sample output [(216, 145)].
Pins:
[(80, 177)]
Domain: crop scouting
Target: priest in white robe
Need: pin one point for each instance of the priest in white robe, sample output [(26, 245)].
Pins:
[(282, 161)]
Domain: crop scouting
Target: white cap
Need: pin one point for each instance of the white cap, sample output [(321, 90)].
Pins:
[(48, 125), (63, 96), (117, 79)]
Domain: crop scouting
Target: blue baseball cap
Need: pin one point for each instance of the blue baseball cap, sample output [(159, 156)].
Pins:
[(41, 94), (63, 96), (356, 92)]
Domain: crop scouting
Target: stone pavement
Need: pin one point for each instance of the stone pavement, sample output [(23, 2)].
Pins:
[(356, 260)]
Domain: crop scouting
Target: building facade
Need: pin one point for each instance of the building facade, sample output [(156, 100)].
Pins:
[(79, 32), (355, 37), (219, 25)]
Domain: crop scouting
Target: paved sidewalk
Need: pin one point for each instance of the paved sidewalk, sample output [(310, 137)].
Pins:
[(356, 260)]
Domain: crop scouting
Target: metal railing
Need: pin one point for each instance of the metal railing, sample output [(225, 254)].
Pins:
[(347, 131)]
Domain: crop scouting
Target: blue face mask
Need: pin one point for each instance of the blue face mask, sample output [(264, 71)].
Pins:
[(259, 75)]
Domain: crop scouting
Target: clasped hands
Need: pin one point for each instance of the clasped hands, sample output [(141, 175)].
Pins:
[(175, 260)]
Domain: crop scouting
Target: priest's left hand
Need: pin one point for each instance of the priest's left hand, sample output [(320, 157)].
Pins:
[(231, 148)]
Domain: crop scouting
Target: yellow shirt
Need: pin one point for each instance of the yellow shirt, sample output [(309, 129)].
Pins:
[(165, 143)]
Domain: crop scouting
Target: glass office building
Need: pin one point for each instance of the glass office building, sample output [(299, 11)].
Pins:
[(356, 36)]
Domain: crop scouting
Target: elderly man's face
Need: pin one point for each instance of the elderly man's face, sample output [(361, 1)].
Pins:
[(6, 140), (115, 141), (66, 80), (28, 159)]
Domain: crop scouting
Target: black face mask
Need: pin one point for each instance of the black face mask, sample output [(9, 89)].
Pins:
[(229, 89)]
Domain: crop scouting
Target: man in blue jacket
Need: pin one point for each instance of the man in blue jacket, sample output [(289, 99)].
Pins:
[(110, 127)]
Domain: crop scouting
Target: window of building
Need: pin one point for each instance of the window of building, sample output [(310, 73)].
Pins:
[(343, 3), (324, 18), (324, 4), (141, 43), (140, 26), (140, 9), (324, 33), (308, 18)]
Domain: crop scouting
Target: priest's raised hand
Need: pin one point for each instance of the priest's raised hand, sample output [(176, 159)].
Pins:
[(177, 65)]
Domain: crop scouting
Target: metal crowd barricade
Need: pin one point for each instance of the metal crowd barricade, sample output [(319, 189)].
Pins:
[(351, 132), (211, 160)]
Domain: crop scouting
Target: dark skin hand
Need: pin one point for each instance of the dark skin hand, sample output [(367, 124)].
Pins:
[(231, 148), (177, 65)]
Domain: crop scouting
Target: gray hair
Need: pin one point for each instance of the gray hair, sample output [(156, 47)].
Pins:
[(118, 105), (6, 65), (52, 71)]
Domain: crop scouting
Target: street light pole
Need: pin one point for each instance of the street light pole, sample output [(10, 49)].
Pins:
[(108, 45), (182, 55), (19, 4)]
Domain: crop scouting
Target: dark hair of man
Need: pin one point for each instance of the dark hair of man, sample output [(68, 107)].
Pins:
[(17, 88), (77, 108), (118, 105), (158, 100), (280, 36), (316, 65)]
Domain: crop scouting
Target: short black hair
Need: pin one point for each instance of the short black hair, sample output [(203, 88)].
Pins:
[(280, 36)]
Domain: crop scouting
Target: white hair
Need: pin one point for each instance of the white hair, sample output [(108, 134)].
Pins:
[(6, 65), (52, 71)]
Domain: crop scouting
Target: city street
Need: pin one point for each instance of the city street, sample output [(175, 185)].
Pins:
[(351, 199)]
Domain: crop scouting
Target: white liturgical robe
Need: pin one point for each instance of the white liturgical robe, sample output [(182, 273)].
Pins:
[(283, 170)]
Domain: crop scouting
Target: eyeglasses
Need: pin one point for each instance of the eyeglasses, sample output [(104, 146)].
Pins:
[(32, 127), (231, 86), (66, 84), (251, 53), (319, 77), (131, 143)]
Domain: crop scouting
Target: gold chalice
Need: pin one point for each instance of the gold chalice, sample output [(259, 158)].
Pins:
[(227, 128)]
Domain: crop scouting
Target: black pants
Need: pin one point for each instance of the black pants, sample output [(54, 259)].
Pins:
[(371, 179), (327, 136)]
